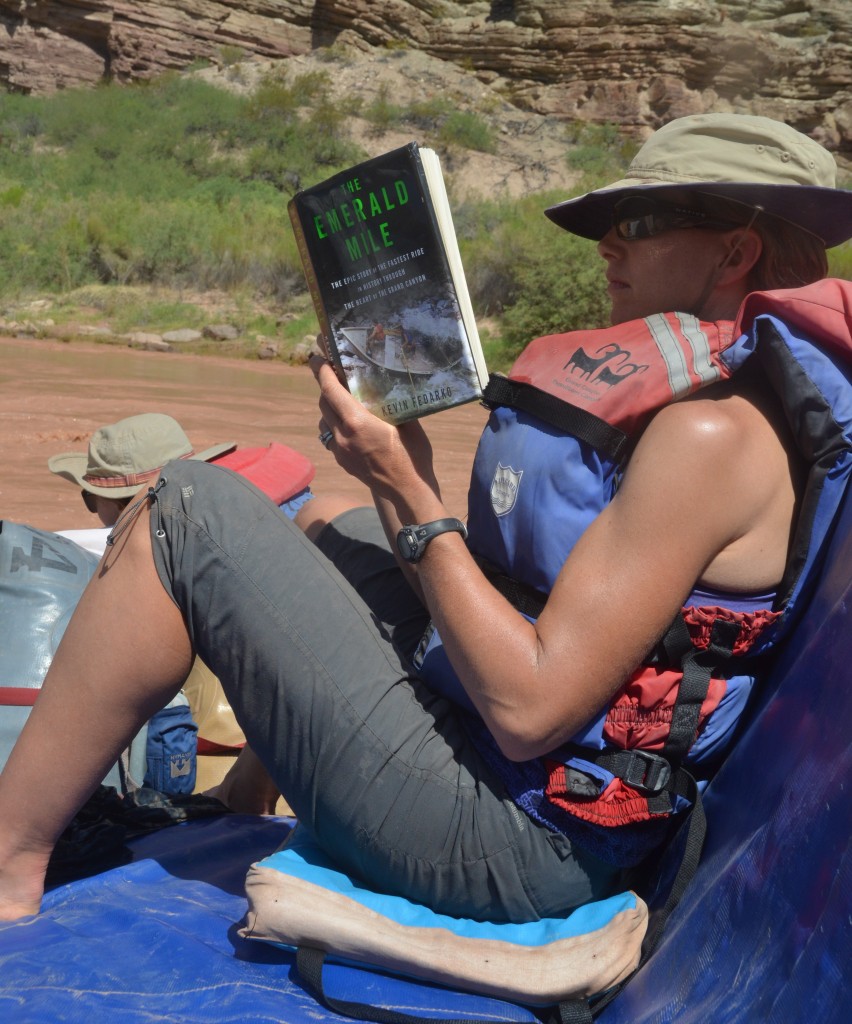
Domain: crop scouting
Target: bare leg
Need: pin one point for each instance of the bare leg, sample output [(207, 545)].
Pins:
[(319, 511), (247, 788), (124, 655)]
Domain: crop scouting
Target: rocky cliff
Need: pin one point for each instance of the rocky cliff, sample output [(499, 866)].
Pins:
[(632, 62)]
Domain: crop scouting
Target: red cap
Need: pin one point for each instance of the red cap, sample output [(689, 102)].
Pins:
[(278, 471)]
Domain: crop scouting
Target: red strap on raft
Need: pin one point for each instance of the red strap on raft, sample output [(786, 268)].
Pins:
[(211, 747), (18, 696)]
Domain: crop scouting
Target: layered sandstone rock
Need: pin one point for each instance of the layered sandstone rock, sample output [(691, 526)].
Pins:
[(632, 62)]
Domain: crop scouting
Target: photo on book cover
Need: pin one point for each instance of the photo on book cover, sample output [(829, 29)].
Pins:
[(407, 356)]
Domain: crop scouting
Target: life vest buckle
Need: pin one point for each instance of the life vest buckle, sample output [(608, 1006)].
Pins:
[(642, 770)]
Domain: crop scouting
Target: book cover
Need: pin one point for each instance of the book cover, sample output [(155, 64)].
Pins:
[(382, 264)]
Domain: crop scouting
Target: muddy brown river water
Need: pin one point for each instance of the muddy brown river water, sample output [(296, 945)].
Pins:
[(54, 395)]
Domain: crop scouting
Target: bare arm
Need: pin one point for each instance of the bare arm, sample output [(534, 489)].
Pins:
[(394, 462), (698, 483)]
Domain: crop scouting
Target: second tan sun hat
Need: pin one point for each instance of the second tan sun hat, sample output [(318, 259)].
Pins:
[(753, 160), (125, 455)]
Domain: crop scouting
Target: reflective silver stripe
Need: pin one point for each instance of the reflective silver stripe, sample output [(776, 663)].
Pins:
[(701, 354), (671, 349), (672, 353)]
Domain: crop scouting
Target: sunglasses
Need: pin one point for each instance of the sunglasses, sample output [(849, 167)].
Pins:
[(91, 503), (637, 217)]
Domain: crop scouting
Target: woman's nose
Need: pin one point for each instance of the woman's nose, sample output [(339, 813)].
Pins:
[(608, 246)]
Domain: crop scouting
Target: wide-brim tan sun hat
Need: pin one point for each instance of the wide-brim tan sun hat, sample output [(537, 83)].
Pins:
[(752, 160), (125, 455)]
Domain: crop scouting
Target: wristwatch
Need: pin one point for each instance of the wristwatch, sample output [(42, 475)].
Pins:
[(412, 541)]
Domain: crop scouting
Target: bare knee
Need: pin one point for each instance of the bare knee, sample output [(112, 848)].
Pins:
[(315, 514), (129, 597)]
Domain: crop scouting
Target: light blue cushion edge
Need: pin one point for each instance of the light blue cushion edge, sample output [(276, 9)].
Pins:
[(301, 858)]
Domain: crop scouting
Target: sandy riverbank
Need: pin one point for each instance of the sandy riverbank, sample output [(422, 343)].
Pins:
[(53, 395)]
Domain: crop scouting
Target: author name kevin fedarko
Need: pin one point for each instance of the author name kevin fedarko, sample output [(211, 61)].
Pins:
[(418, 401)]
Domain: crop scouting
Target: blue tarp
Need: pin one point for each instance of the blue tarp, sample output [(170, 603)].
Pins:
[(157, 941)]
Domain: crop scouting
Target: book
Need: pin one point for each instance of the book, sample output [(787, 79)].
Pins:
[(382, 264)]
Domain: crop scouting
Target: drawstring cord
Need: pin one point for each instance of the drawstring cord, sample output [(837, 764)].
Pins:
[(123, 520), (716, 272)]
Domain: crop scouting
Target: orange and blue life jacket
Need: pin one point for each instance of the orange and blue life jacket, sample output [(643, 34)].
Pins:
[(561, 430)]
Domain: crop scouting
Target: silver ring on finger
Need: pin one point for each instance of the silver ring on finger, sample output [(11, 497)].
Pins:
[(325, 438)]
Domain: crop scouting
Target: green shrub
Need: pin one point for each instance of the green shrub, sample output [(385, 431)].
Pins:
[(599, 151), (436, 119), (535, 278), (561, 287), (840, 261), (382, 113), (309, 87), (180, 184), (464, 129), (172, 182), (230, 55), (12, 196)]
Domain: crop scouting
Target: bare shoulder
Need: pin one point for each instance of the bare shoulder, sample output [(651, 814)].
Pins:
[(726, 424), (707, 498), (728, 460)]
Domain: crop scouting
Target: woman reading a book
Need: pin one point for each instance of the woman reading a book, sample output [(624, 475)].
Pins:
[(479, 792)]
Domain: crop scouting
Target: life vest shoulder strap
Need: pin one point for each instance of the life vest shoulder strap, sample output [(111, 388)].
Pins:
[(570, 419)]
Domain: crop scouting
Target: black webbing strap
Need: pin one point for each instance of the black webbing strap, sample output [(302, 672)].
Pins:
[(697, 665), (604, 438), (573, 1011), (662, 776), (654, 774), (309, 963), (642, 769)]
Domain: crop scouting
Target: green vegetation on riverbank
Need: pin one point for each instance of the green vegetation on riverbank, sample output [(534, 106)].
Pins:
[(131, 201), (179, 187)]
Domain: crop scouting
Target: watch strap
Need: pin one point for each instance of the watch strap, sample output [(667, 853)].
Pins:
[(413, 540)]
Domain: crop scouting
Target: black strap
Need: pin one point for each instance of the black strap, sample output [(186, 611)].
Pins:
[(642, 769), (573, 1011), (570, 419), (653, 774), (698, 666), (309, 963), (663, 776)]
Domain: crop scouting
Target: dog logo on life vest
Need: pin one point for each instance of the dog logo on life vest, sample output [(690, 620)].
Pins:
[(504, 489), (592, 368)]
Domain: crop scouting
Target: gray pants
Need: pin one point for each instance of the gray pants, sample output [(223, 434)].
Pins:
[(310, 644)]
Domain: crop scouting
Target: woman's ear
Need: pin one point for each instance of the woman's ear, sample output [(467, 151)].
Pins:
[(742, 251)]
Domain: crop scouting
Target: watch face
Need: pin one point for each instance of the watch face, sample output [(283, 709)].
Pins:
[(413, 540), (407, 544)]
